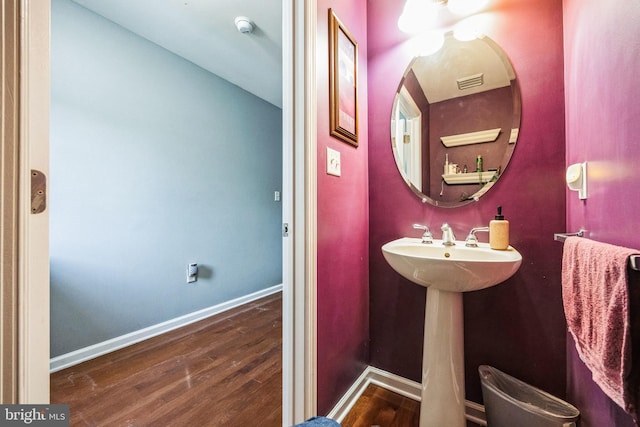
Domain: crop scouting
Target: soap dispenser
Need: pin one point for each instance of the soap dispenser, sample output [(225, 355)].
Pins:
[(499, 232)]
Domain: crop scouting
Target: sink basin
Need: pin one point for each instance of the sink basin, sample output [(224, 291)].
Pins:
[(446, 272), (451, 268)]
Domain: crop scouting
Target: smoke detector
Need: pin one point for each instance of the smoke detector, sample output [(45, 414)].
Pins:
[(244, 24)]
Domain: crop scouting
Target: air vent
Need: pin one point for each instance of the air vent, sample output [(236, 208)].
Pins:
[(471, 81)]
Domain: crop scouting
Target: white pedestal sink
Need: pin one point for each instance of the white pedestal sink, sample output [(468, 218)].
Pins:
[(446, 272)]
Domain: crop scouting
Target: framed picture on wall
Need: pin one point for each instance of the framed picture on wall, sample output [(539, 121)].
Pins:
[(343, 82)]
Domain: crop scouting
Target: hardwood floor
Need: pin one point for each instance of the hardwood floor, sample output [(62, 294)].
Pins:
[(378, 407), (222, 371)]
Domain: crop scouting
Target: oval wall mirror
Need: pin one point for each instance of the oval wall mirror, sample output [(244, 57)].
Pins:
[(455, 121)]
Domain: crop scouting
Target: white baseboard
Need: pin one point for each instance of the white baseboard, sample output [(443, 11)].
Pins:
[(87, 353), (408, 388)]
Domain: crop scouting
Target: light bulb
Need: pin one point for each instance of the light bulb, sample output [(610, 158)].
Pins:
[(466, 7), (417, 16)]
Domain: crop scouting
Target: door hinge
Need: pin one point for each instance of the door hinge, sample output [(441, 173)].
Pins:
[(38, 191)]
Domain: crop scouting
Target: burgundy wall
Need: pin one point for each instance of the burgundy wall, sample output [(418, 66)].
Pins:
[(343, 225), (602, 57), (517, 326)]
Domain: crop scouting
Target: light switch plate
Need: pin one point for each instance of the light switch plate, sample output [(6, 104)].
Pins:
[(333, 162)]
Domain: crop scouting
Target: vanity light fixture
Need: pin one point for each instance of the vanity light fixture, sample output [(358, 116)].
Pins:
[(244, 24), (466, 7), (576, 178), (419, 15)]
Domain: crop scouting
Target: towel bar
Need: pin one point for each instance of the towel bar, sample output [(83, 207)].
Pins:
[(634, 260), (561, 237)]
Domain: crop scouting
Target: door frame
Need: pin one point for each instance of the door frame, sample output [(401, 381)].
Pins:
[(33, 230), (299, 367), (299, 208), (9, 196)]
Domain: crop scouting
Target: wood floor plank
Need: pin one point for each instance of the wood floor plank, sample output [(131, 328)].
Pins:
[(222, 371), (383, 408), (380, 407)]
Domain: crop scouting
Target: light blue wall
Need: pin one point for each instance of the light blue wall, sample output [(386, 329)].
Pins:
[(154, 163)]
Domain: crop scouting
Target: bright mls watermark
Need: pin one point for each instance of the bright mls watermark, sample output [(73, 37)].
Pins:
[(34, 415)]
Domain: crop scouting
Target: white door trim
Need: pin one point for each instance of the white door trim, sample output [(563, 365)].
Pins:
[(299, 212), (33, 247)]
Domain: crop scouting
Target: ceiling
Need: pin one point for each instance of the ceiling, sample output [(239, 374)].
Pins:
[(439, 74), (204, 32)]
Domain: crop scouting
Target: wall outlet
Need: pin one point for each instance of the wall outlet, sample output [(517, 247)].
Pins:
[(333, 162), (192, 272)]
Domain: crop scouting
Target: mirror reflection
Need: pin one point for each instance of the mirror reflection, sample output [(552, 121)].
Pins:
[(455, 121)]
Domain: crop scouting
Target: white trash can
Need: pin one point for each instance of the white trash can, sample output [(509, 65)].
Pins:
[(509, 402)]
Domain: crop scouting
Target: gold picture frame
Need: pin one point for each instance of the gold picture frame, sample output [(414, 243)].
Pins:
[(343, 82)]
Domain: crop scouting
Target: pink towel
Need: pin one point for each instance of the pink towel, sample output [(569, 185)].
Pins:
[(595, 295)]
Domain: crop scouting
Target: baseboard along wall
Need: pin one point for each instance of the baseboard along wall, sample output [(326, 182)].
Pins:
[(397, 384), (87, 353)]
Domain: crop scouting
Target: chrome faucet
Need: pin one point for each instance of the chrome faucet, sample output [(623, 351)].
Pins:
[(448, 239), (471, 240), (426, 236)]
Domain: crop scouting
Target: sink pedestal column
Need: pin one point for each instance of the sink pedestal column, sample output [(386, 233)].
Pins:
[(443, 395)]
